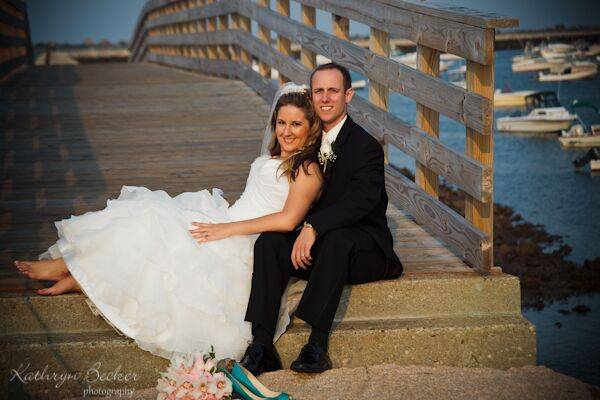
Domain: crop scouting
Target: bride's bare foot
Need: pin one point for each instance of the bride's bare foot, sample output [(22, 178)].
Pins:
[(65, 285), (45, 270)]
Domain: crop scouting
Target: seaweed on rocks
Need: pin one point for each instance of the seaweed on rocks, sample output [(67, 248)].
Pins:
[(527, 251)]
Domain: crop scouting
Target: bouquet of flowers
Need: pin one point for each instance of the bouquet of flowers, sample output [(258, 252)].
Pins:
[(194, 377)]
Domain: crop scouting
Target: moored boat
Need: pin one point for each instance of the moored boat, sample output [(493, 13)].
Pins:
[(511, 99), (570, 71), (586, 133), (544, 114)]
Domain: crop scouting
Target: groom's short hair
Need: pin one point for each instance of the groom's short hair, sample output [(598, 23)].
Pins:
[(343, 70)]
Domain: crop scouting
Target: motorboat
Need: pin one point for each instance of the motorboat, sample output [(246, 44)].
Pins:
[(511, 99), (585, 133), (544, 113), (556, 50), (535, 64), (570, 72)]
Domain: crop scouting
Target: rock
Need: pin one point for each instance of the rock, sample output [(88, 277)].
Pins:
[(416, 382)]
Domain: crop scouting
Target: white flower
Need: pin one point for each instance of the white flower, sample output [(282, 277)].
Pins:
[(325, 148)]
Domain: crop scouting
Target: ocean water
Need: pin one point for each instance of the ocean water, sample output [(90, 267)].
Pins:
[(534, 175)]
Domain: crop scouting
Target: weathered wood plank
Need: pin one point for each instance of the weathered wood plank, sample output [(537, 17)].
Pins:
[(429, 30), (456, 13), (196, 38), (450, 100), (470, 243), (208, 11)]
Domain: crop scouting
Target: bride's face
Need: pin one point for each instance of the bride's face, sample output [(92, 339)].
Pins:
[(292, 129)]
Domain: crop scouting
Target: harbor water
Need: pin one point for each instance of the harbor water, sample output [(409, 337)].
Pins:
[(535, 176)]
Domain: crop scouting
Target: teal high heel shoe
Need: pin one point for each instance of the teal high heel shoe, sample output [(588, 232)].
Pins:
[(240, 389), (249, 381)]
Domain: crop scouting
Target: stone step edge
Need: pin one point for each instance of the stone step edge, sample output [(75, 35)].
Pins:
[(111, 336)]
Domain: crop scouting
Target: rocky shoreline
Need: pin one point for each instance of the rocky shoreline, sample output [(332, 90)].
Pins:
[(529, 252)]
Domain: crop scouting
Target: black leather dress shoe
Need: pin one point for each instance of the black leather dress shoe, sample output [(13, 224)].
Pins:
[(312, 358), (258, 359)]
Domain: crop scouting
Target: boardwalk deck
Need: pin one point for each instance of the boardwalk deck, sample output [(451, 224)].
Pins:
[(73, 135)]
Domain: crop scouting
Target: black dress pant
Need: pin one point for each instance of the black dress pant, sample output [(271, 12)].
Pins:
[(341, 256)]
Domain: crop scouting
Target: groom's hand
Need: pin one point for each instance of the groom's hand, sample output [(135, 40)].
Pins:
[(301, 251)]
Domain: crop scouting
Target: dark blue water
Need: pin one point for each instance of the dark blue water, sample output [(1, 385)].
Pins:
[(534, 175)]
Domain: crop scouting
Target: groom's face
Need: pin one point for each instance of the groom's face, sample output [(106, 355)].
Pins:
[(329, 97)]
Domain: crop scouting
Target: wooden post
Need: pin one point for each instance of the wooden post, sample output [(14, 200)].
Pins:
[(224, 49), (211, 26), (341, 26), (428, 61), (243, 23), (201, 27), (283, 44), (265, 36), (309, 18), (480, 79), (378, 94)]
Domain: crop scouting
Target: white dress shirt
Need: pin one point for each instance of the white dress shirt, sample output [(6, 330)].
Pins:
[(329, 137)]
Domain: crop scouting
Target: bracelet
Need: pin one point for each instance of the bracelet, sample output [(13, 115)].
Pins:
[(307, 224)]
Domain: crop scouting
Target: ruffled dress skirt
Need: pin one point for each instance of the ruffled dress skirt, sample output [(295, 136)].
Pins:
[(144, 273)]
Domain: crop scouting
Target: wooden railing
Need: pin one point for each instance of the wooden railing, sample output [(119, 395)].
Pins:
[(15, 40), (215, 37)]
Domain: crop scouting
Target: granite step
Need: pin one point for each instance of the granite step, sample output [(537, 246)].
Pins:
[(412, 296), (103, 361)]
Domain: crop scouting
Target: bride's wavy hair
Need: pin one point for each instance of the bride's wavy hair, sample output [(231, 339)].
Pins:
[(308, 153)]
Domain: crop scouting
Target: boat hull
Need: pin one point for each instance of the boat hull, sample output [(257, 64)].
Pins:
[(514, 99), (566, 77), (535, 126), (580, 141)]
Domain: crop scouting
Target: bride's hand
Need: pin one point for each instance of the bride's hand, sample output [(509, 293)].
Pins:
[(209, 232)]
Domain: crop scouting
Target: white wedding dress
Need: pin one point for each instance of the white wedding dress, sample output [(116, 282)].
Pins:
[(144, 273)]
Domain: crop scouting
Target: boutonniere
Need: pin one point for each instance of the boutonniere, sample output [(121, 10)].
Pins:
[(327, 154)]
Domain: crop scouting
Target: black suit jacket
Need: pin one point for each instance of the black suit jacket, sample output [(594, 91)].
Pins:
[(354, 192)]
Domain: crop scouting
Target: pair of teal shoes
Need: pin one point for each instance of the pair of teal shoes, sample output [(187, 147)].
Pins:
[(246, 385)]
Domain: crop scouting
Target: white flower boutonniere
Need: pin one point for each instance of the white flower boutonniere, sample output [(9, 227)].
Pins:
[(326, 155)]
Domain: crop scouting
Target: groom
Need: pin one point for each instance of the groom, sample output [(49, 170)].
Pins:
[(344, 239)]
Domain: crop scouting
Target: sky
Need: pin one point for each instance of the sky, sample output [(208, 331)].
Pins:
[(72, 21)]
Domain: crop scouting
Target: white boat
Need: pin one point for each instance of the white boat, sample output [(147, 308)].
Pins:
[(580, 141), (511, 99), (545, 114), (586, 133), (570, 72), (410, 59), (360, 84), (535, 64), (556, 50)]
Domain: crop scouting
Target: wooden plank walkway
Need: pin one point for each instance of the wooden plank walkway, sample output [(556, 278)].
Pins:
[(73, 135)]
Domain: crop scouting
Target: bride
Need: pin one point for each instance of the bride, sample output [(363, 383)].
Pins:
[(175, 273)]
